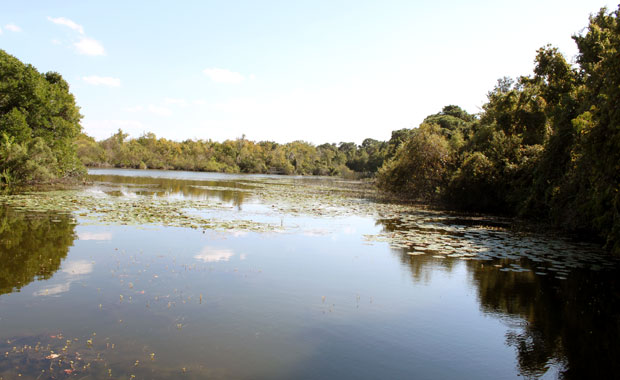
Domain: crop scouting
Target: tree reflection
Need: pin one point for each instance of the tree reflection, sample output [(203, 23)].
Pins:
[(232, 192), (573, 322), (31, 246)]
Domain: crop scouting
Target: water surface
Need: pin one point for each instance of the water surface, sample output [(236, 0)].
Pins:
[(262, 277)]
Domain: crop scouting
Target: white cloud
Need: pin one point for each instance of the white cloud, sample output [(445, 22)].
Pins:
[(89, 46), (56, 42), (209, 255), (85, 45), (223, 75), (68, 23), (161, 111), (12, 28), (102, 81)]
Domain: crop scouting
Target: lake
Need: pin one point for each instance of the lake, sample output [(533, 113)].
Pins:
[(151, 274)]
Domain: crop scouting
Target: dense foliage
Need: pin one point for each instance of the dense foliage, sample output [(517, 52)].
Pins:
[(39, 122), (546, 145), (234, 156)]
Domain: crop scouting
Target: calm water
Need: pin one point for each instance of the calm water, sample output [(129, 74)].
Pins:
[(323, 294)]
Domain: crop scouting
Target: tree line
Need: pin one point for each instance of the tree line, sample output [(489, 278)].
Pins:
[(545, 145), (234, 156)]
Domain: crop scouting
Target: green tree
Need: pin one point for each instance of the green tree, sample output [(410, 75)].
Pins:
[(37, 112), (420, 167)]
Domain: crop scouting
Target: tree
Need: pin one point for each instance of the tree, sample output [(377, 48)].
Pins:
[(419, 168), (38, 113)]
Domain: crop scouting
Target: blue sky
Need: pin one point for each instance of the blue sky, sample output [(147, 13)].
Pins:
[(319, 71)]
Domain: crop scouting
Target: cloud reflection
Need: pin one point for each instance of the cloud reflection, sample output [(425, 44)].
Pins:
[(76, 268), (210, 254), (54, 290), (72, 269), (95, 235)]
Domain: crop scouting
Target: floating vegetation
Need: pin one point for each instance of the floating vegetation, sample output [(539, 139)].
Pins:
[(426, 232), (163, 306), (416, 230), (48, 357), (100, 208)]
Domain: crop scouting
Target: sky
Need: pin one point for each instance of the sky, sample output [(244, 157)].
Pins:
[(318, 71)]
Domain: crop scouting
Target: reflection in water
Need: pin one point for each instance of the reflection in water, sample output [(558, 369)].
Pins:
[(318, 302), (575, 322), (31, 246), (570, 322), (210, 254), (233, 192), (72, 270), (94, 236), (78, 267)]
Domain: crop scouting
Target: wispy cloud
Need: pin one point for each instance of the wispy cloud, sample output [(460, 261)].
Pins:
[(12, 28), (223, 75), (89, 46), (68, 23), (85, 45), (102, 81), (161, 111)]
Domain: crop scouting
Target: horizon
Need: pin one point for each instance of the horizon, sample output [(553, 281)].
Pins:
[(312, 71)]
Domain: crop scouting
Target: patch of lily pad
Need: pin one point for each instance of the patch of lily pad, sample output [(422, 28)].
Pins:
[(100, 208), (425, 232), (415, 230)]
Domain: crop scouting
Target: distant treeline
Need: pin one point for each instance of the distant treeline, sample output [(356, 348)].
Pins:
[(544, 146), (236, 156)]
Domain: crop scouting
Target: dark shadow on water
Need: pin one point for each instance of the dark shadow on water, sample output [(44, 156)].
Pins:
[(32, 246), (572, 321)]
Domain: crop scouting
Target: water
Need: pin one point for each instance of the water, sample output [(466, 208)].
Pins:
[(279, 277)]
